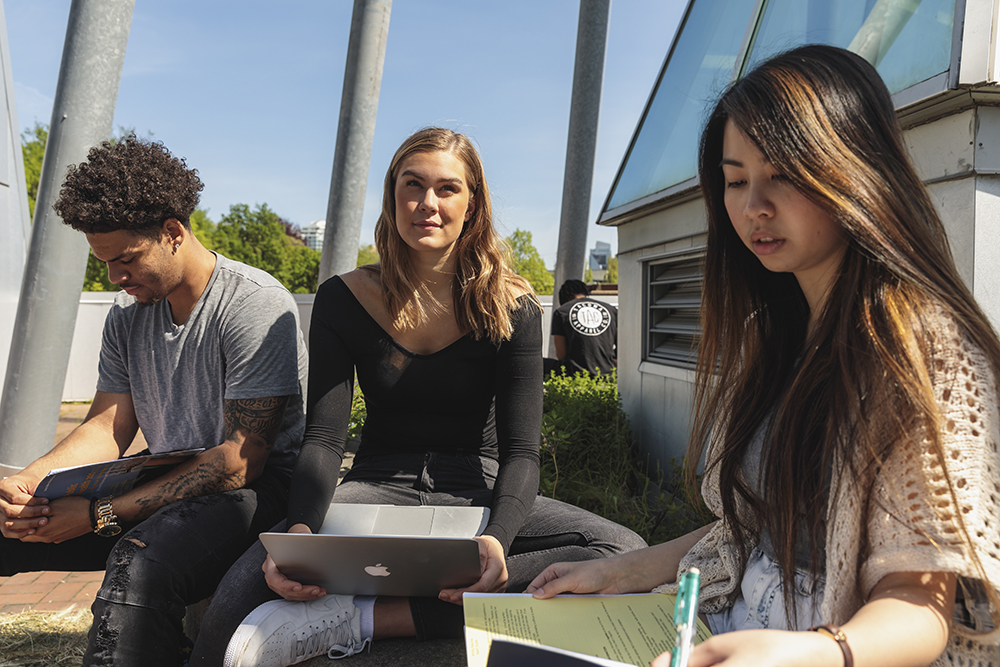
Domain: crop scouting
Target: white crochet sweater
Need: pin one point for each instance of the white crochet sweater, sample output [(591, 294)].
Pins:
[(912, 492)]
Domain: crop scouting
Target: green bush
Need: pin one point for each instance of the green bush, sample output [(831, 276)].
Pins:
[(589, 460), (358, 414)]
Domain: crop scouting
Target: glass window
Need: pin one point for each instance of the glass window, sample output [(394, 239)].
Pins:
[(673, 299), (908, 41), (701, 65)]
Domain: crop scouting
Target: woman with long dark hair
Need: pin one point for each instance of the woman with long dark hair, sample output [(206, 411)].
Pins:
[(845, 394), (446, 342)]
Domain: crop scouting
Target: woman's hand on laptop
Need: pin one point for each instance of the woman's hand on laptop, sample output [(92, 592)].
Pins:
[(494, 567), (282, 585)]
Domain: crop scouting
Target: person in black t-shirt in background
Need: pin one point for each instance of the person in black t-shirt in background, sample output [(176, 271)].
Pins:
[(585, 331)]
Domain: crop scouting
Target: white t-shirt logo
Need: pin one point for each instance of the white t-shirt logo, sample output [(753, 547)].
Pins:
[(589, 318)]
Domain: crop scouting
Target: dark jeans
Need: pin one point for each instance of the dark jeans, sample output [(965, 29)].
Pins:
[(553, 531), (152, 571)]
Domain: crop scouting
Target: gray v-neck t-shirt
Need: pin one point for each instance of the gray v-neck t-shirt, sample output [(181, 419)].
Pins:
[(241, 341)]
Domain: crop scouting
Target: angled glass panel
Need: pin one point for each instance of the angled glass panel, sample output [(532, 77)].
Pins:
[(908, 41), (702, 62)]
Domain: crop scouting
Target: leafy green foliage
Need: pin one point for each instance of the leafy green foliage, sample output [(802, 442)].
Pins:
[(367, 254), (358, 414), (301, 270), (260, 238), (95, 278), (589, 460), (253, 237), (33, 149), (527, 263)]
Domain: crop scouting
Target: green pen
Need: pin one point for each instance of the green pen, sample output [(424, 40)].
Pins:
[(686, 616)]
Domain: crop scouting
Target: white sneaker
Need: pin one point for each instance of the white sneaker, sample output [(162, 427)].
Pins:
[(281, 633)]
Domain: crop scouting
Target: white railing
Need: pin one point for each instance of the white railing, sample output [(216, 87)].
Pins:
[(81, 375)]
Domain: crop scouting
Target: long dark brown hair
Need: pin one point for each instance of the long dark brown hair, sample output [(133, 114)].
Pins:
[(860, 384), (485, 288)]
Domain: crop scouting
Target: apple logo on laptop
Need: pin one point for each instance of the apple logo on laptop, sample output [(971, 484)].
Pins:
[(377, 570)]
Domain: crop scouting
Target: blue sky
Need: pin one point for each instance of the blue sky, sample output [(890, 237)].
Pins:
[(249, 93)]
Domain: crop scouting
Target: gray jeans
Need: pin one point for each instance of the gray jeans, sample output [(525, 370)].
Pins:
[(155, 568), (553, 531)]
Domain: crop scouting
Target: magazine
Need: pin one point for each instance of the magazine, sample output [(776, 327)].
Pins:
[(107, 478)]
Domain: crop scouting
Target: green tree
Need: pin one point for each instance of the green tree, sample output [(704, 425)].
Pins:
[(33, 149), (255, 237), (203, 228), (260, 238), (527, 263), (95, 278), (367, 254), (301, 270)]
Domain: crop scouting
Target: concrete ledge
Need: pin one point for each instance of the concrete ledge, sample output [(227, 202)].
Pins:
[(404, 653)]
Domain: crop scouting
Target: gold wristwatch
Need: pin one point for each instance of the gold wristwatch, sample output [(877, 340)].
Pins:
[(107, 522)]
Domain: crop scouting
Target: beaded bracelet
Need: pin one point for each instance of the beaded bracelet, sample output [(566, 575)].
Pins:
[(837, 635)]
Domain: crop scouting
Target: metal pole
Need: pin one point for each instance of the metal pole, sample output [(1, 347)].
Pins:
[(355, 132), (585, 108), (82, 114)]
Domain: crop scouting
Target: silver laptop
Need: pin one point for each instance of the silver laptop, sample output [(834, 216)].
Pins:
[(384, 550), (411, 521)]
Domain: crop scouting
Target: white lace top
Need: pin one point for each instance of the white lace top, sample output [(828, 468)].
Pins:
[(911, 526)]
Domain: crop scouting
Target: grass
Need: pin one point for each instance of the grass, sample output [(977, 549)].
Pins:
[(40, 639), (590, 460)]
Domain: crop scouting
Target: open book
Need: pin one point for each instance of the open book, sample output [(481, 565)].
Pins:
[(107, 478), (618, 629)]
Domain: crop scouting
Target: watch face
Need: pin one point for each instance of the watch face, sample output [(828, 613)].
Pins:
[(109, 530)]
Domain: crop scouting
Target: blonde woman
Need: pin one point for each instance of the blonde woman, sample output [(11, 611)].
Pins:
[(446, 343)]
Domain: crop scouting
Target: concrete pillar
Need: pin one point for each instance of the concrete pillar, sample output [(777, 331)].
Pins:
[(82, 115), (588, 79), (355, 132)]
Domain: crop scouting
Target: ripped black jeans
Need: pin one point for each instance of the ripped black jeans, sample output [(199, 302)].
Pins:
[(152, 571)]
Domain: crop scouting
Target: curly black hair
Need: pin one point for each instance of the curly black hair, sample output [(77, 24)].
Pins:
[(131, 184)]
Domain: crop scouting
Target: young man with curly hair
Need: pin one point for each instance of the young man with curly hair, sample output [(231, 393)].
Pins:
[(198, 351)]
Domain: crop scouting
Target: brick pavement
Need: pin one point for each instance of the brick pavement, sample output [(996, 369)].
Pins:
[(55, 591)]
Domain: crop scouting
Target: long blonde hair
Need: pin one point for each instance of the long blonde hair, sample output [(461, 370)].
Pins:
[(485, 288), (861, 384)]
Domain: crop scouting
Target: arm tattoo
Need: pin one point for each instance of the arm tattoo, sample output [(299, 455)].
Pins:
[(256, 420), (211, 476)]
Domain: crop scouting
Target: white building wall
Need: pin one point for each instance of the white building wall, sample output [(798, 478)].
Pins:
[(986, 256)]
